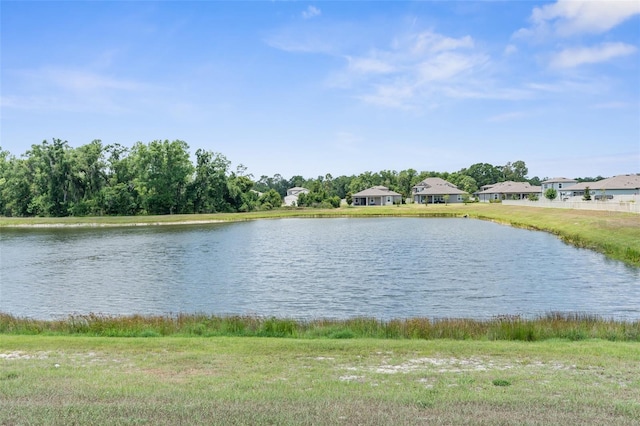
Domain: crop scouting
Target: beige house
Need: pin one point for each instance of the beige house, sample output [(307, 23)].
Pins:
[(508, 190), (376, 196), (435, 190)]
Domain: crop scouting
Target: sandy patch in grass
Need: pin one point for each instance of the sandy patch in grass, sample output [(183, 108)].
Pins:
[(19, 355), (445, 365)]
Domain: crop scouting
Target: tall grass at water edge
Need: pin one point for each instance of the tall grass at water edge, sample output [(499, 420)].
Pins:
[(571, 326)]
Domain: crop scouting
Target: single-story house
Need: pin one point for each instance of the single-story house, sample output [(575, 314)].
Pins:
[(291, 198), (433, 190), (508, 190), (608, 188), (376, 196)]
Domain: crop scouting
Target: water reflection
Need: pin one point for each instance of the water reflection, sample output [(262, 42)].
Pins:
[(309, 268)]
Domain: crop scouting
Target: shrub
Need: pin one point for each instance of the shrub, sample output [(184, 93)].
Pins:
[(551, 194)]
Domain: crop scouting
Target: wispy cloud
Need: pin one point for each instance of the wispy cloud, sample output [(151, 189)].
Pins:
[(69, 89), (612, 105), (573, 57), (369, 65), (81, 80), (415, 67), (311, 12), (567, 18), (508, 116)]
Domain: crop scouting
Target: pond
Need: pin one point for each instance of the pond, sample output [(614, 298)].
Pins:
[(310, 268)]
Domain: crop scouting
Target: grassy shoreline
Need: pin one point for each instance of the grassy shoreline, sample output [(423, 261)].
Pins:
[(501, 328), (615, 234)]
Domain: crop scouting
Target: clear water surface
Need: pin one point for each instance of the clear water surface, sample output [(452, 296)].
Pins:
[(310, 268)]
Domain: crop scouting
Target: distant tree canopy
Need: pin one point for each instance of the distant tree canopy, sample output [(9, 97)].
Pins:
[(159, 177), (53, 179)]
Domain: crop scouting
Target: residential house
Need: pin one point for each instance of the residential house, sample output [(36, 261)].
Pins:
[(291, 198), (616, 186), (508, 190), (376, 196), (560, 184), (435, 190)]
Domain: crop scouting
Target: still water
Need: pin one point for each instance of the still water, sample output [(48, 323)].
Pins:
[(310, 268)]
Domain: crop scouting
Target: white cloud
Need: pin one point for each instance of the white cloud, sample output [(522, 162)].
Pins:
[(447, 65), (79, 80), (68, 89), (412, 69), (368, 65), (508, 116), (573, 57), (572, 17), (430, 42), (510, 50), (392, 95), (311, 12)]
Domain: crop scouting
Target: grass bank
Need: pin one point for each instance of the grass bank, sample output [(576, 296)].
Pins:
[(615, 234), (227, 381), (510, 328)]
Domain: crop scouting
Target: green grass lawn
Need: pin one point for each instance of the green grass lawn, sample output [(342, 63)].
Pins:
[(241, 380)]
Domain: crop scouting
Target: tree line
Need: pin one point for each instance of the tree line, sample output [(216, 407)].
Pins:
[(159, 177)]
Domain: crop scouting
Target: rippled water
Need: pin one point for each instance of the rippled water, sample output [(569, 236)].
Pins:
[(311, 268)]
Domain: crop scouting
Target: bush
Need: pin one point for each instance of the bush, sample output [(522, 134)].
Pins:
[(551, 194)]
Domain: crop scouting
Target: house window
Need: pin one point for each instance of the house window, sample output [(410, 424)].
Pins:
[(559, 186)]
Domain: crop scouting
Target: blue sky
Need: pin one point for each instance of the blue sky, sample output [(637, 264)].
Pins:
[(309, 88)]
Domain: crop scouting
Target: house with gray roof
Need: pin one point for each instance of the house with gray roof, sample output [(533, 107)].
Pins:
[(435, 190), (508, 190), (376, 196), (560, 184), (616, 186)]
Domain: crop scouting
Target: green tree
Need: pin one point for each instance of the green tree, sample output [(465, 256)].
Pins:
[(88, 178), (349, 198), (270, 200), (241, 196), (587, 194), (16, 180), (209, 190), (406, 181), (50, 166), (464, 182), (119, 196), (516, 172), (551, 194), (484, 174), (163, 170)]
